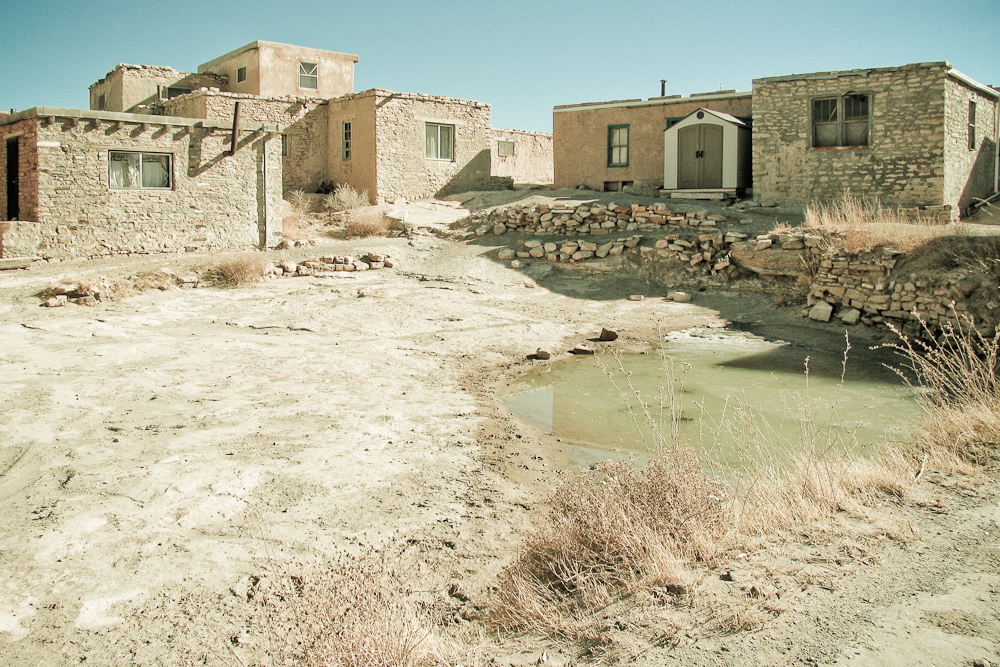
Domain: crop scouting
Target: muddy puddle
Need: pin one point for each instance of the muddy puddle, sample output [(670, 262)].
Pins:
[(733, 388)]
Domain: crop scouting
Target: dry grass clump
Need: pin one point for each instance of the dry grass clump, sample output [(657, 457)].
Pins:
[(957, 372), (862, 223), (243, 269), (366, 222), (614, 529), (346, 198), (357, 612), (292, 220)]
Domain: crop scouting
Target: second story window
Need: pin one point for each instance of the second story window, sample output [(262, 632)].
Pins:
[(972, 126), (345, 150), (241, 74), (308, 75), (505, 148)]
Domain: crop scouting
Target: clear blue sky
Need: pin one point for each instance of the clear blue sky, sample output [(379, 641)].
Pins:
[(523, 57)]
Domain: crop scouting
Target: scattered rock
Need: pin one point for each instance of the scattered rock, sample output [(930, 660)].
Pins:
[(636, 297), (850, 316), (56, 301), (821, 312), (608, 335), (516, 264), (542, 354), (679, 297), (581, 349)]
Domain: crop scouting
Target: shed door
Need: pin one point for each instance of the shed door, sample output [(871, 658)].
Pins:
[(13, 192), (699, 157)]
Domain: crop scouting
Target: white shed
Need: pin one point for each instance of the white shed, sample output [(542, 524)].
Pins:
[(707, 150)]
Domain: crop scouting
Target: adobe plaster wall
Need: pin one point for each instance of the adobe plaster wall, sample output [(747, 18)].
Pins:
[(127, 87), (580, 138), (359, 170), (532, 159)]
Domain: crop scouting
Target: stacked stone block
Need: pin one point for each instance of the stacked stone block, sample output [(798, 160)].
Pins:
[(592, 219)]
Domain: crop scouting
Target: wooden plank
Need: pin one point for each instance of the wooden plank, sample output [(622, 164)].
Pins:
[(14, 263)]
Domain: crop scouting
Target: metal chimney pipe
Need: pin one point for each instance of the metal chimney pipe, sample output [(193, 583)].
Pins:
[(663, 87)]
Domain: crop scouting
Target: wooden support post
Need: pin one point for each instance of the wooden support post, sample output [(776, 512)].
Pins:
[(236, 130)]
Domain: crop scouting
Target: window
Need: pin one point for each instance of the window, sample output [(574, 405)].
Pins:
[(440, 142), (241, 74), (102, 104), (673, 121), (139, 171), (173, 92), (284, 145), (972, 126), (840, 121), (617, 145), (345, 150), (308, 75), (505, 148)]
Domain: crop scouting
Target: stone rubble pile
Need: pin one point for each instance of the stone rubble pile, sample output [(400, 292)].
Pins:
[(862, 288), (593, 219), (309, 267)]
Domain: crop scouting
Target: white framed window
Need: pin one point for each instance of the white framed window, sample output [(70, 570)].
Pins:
[(618, 145), (132, 170), (345, 149), (241, 74), (308, 75), (440, 142), (505, 148)]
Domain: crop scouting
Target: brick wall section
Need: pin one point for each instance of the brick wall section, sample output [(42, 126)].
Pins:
[(28, 169), (305, 122), (968, 173), (903, 164), (401, 168), (216, 201), (532, 159)]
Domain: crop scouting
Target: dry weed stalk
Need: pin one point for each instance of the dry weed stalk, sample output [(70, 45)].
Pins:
[(243, 269), (863, 224), (346, 198), (957, 372)]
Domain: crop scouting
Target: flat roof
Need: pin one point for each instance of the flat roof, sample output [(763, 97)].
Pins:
[(652, 101), (88, 114), (260, 43)]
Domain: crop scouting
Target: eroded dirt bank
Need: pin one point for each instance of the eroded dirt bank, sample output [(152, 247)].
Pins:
[(156, 453)]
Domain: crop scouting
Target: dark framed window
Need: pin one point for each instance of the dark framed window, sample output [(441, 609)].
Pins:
[(308, 75), (102, 104), (132, 170), (505, 148), (840, 121), (617, 145), (439, 142), (972, 125), (284, 145), (173, 92), (345, 150), (241, 74)]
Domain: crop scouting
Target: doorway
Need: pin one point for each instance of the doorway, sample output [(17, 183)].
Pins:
[(13, 191), (699, 157)]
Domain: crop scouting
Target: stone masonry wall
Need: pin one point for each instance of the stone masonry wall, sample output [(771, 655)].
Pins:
[(532, 159), (215, 201), (401, 168), (304, 120), (27, 169), (903, 164), (968, 173)]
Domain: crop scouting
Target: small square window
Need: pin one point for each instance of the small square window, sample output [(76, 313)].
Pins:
[(840, 121), (617, 145), (308, 75), (505, 148), (129, 170), (439, 142), (345, 150), (241, 74)]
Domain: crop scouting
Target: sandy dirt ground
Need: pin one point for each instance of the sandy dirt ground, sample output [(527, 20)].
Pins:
[(158, 452)]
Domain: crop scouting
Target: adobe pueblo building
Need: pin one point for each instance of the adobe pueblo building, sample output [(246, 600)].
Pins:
[(152, 166), (917, 136)]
